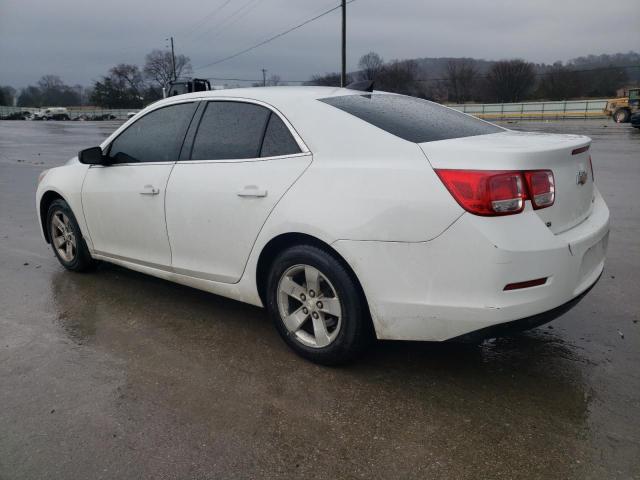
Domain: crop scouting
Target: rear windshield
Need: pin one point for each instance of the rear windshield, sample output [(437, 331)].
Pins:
[(410, 118)]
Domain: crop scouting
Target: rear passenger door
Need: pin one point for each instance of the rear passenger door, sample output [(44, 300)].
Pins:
[(242, 159)]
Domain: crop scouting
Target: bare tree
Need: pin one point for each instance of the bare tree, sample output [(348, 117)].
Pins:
[(400, 76), (460, 78), (50, 91), (275, 80), (130, 77), (510, 80), (123, 87), (370, 64), (327, 80), (158, 68), (559, 83), (50, 82), (435, 90)]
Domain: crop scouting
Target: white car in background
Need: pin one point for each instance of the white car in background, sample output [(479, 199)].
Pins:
[(52, 113), (345, 213)]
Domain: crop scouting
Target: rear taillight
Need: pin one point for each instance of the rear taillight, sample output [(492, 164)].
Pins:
[(492, 193), (486, 192), (542, 190)]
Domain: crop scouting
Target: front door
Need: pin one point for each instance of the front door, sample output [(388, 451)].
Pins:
[(123, 202)]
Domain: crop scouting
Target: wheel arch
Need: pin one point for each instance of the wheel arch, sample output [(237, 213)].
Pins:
[(285, 240), (46, 200)]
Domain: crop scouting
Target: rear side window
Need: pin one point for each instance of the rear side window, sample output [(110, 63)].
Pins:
[(278, 139), (230, 130), (156, 137), (411, 118)]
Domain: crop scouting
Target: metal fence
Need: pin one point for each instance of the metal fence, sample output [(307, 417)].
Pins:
[(536, 110), (75, 113), (489, 111)]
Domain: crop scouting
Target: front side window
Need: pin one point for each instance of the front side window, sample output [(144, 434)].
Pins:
[(156, 137), (240, 130), (411, 118)]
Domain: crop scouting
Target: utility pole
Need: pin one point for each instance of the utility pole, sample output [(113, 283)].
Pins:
[(173, 60), (343, 74), (264, 77)]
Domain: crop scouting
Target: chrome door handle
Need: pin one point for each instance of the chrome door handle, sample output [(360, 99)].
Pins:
[(252, 191), (150, 190)]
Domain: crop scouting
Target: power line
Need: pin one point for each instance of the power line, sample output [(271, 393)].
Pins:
[(270, 39), (192, 28), (224, 25), (229, 20)]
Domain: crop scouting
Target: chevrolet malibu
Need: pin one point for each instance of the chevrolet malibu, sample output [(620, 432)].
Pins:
[(347, 214)]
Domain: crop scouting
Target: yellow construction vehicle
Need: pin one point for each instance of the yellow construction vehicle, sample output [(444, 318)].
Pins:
[(621, 109)]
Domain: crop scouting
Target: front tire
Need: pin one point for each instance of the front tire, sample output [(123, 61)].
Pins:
[(621, 115), (317, 306), (66, 238)]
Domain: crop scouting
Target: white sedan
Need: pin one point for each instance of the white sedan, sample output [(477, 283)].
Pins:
[(347, 214)]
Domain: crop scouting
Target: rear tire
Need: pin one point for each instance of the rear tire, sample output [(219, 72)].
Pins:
[(621, 115), (66, 238), (317, 306)]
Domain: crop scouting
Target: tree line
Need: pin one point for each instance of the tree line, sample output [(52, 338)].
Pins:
[(456, 80), (124, 86), (516, 80)]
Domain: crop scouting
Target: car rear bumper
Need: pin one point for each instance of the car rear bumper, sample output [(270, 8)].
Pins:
[(527, 323), (454, 284)]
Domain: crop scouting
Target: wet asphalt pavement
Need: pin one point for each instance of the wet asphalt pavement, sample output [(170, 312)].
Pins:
[(114, 374)]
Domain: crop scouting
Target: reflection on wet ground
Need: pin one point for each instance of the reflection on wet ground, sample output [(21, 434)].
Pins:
[(114, 374)]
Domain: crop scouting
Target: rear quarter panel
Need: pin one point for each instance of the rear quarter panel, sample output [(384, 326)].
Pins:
[(363, 184)]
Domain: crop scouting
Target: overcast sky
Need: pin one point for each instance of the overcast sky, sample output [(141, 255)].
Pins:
[(79, 40)]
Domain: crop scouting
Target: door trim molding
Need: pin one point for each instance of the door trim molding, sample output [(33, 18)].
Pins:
[(245, 160)]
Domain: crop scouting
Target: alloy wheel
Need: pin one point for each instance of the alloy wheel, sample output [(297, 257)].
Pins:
[(62, 236), (309, 306)]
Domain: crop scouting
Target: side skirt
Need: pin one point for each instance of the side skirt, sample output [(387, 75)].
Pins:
[(235, 291)]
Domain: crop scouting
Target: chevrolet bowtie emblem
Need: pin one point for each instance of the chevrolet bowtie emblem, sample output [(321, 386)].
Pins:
[(581, 178)]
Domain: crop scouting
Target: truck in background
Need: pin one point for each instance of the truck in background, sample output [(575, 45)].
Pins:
[(621, 109), (180, 86), (52, 113)]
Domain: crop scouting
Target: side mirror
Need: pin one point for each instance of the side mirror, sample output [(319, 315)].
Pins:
[(92, 156)]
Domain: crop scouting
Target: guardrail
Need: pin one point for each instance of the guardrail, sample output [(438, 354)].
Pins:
[(535, 110), (489, 111), (75, 113)]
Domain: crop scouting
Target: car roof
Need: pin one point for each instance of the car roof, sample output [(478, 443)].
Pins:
[(278, 96)]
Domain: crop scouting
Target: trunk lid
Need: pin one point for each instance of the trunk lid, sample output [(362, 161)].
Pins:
[(564, 155)]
